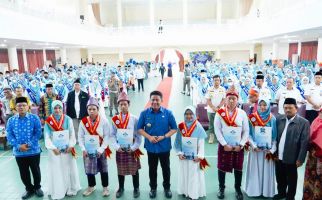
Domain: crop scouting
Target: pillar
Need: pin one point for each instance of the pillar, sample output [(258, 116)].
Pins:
[(185, 12), (25, 62), (219, 11), (319, 56), (44, 56), (218, 54), (299, 47), (121, 58), (13, 58), (119, 13), (275, 51), (63, 56), (251, 52)]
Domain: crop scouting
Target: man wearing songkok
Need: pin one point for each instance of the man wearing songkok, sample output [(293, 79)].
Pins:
[(45, 108), (288, 92), (23, 132), (232, 130), (63, 176), (127, 148), (94, 131), (215, 100), (264, 92), (293, 134), (157, 124), (314, 97), (76, 105)]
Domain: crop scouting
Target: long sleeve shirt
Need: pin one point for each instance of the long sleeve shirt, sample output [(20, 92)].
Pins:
[(24, 130)]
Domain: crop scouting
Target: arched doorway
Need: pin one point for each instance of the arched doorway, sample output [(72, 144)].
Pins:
[(170, 55)]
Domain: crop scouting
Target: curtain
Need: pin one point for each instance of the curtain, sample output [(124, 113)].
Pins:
[(35, 59), (4, 58), (309, 51), (181, 60), (96, 12), (50, 55), (293, 48), (20, 61)]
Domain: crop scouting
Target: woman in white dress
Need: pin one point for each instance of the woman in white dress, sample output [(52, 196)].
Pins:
[(191, 178), (260, 175), (63, 172)]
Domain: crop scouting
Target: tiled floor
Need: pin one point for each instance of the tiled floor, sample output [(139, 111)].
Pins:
[(11, 186)]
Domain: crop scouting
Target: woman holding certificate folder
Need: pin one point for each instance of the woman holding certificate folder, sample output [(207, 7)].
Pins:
[(126, 141), (260, 175), (93, 135), (60, 141), (189, 145)]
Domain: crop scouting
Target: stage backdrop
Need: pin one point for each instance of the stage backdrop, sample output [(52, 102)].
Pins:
[(201, 56)]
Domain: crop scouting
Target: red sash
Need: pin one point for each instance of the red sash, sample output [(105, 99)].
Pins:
[(224, 114), (57, 126), (256, 120), (118, 122), (92, 131), (184, 129)]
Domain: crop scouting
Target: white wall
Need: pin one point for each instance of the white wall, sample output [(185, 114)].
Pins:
[(135, 14), (282, 51), (169, 11), (201, 11), (267, 50), (110, 59), (234, 56), (137, 56), (73, 56)]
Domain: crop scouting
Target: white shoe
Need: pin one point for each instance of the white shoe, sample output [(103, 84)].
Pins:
[(88, 191), (211, 138), (106, 192)]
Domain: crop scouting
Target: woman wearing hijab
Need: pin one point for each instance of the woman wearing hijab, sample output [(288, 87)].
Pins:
[(313, 171), (260, 175), (63, 172), (191, 180)]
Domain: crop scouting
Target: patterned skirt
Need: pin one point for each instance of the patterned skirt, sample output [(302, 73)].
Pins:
[(229, 160), (94, 165), (126, 163), (313, 179)]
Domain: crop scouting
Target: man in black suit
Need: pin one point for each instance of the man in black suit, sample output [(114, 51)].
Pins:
[(76, 105), (293, 134)]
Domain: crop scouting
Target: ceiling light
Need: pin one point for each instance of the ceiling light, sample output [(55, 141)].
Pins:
[(4, 40), (3, 45)]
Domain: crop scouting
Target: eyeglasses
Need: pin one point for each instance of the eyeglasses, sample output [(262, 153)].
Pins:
[(21, 105)]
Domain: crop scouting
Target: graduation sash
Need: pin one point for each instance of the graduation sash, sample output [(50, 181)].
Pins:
[(256, 120), (230, 121), (118, 122), (203, 163), (58, 126), (245, 89), (92, 131)]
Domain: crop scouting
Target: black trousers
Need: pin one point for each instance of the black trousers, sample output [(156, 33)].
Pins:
[(140, 84), (310, 115), (27, 164), (153, 161), (286, 177), (92, 181), (135, 179), (238, 179)]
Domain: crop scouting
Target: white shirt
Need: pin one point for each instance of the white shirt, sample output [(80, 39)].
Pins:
[(77, 104), (216, 96), (264, 93), (283, 138), (315, 92), (284, 93)]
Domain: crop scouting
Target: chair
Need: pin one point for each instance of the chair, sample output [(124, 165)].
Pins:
[(301, 111), (202, 116), (246, 107)]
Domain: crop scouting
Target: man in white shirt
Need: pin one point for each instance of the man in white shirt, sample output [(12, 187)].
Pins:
[(314, 97), (264, 92), (215, 100), (289, 92), (140, 75)]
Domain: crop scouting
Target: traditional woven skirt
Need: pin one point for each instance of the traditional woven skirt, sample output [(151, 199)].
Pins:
[(229, 160), (94, 165), (126, 163)]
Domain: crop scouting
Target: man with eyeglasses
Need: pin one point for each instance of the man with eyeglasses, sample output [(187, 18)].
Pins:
[(23, 133)]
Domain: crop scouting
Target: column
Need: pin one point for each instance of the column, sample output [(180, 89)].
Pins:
[(275, 51), (219, 11), (299, 47), (89, 57), (25, 62), (44, 56), (121, 58), (251, 52), (63, 56), (218, 54), (13, 58), (151, 12), (319, 56), (119, 13), (185, 12)]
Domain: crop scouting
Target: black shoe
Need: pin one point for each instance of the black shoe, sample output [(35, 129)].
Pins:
[(153, 194), (221, 193), (27, 195), (136, 193), (239, 195), (39, 193), (168, 193), (188, 94), (182, 92), (279, 196), (119, 193), (111, 114)]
